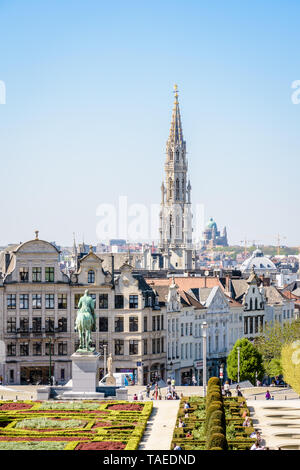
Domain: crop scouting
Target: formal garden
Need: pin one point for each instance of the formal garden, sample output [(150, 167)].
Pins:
[(213, 422), (82, 425)]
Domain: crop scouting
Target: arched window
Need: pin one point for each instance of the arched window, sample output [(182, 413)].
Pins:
[(177, 188), (177, 155), (91, 276), (255, 304), (250, 308)]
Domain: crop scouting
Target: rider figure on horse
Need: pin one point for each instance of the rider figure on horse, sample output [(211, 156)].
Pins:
[(85, 320)]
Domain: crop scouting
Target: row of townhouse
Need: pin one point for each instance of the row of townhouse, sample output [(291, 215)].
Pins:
[(232, 309), (38, 309)]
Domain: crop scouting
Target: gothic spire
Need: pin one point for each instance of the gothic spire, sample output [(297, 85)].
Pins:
[(176, 135)]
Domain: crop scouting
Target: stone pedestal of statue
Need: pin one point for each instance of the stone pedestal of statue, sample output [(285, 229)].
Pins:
[(85, 367), (110, 380)]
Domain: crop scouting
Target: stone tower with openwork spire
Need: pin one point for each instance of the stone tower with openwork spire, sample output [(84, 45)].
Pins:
[(175, 215)]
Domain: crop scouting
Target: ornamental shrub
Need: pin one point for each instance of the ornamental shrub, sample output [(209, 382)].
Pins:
[(214, 381), (216, 429), (212, 398), (217, 440)]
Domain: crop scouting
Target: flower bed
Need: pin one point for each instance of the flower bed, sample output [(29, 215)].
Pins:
[(104, 445), (82, 425)]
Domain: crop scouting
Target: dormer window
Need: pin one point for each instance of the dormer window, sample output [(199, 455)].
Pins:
[(91, 276), (24, 277)]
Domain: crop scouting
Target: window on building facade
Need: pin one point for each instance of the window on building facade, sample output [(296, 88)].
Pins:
[(62, 302), (246, 325), (119, 347), (103, 301), (11, 349), (91, 276), (154, 323), (36, 301), (49, 325), (49, 274), (251, 325), (133, 324), (145, 324), (24, 349), (76, 299), (145, 341), (158, 323), (24, 325), (62, 374), (37, 324), (182, 329), (36, 274), (157, 345), (133, 301), (191, 329), (24, 301), (63, 349), (133, 347), (62, 324), (103, 324), (49, 300), (37, 349), (153, 346), (47, 349), (11, 301), (119, 301), (24, 275), (11, 325), (119, 324)]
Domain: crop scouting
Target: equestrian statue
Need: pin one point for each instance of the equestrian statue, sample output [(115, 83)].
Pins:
[(85, 321)]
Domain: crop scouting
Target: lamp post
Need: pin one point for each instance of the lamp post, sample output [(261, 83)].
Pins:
[(204, 336), (238, 351), (104, 359), (50, 357)]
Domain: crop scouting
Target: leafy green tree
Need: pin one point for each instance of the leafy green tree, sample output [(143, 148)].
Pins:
[(290, 360), (271, 340), (251, 362)]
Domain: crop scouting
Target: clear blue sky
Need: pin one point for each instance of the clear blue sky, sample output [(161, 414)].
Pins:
[(88, 107)]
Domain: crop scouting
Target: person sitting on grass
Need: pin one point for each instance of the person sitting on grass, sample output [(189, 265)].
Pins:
[(181, 424)]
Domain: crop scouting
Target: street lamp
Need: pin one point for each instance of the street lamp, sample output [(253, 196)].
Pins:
[(238, 351), (104, 359), (204, 336)]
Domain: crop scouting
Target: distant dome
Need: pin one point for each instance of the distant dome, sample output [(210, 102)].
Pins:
[(211, 224), (260, 263)]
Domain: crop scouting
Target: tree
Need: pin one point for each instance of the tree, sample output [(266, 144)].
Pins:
[(251, 363), (290, 361), (271, 341)]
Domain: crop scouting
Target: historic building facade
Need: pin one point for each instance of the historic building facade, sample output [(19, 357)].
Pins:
[(38, 311)]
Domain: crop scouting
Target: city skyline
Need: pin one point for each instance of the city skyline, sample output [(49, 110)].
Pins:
[(92, 100)]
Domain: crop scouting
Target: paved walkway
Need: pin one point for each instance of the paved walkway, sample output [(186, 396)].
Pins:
[(159, 431), (278, 422)]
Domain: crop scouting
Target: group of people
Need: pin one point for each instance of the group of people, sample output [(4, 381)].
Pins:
[(226, 390)]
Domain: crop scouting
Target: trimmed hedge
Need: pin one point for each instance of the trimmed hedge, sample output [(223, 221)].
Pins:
[(217, 440)]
